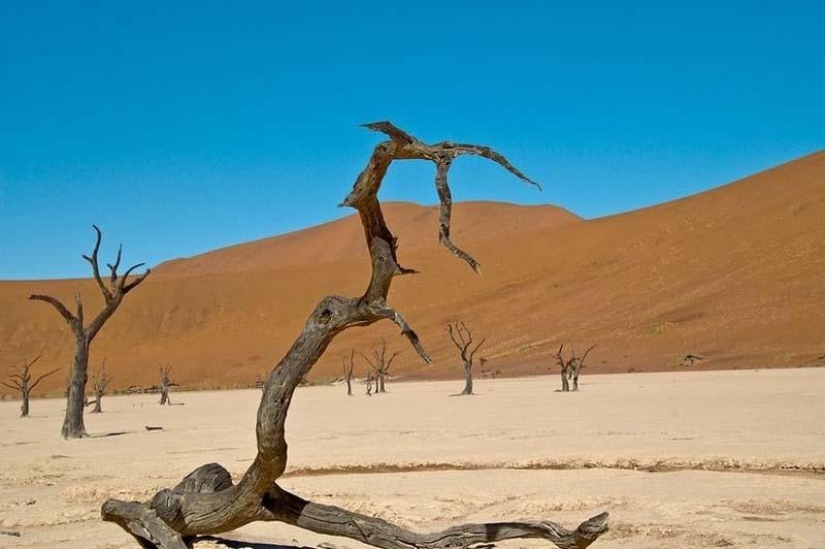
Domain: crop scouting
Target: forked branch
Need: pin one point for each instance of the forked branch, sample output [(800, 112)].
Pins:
[(196, 508)]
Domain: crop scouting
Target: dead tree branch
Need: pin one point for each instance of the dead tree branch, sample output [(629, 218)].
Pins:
[(207, 502), (571, 368), (100, 382)]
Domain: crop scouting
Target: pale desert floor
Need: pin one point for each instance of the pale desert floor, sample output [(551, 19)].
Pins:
[(710, 459)]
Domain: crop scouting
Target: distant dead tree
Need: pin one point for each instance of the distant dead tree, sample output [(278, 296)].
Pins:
[(462, 338), (380, 365), (21, 381), (571, 368), (347, 370), (208, 502), (100, 381), (486, 373), (113, 294), (369, 383), (165, 384), (688, 360)]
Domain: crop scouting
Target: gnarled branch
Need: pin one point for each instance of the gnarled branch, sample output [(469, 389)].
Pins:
[(193, 512)]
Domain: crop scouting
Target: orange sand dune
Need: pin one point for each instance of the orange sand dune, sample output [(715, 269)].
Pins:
[(733, 275)]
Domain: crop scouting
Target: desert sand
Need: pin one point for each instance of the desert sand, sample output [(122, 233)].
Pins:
[(704, 459), (733, 275)]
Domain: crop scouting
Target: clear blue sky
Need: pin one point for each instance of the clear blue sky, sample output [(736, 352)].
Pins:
[(180, 127)]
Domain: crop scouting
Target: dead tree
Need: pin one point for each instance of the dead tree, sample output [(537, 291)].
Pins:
[(688, 360), (369, 383), (113, 294), (165, 384), (571, 368), (22, 381), (207, 501), (100, 381), (380, 365), (462, 338), (347, 370)]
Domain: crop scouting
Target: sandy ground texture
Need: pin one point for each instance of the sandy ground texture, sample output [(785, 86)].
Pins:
[(711, 459)]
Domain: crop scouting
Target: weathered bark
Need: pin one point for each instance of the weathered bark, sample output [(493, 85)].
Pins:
[(22, 381), (348, 368), (213, 506), (462, 338), (113, 294)]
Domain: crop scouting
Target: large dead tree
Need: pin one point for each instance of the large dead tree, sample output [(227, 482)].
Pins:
[(21, 381), (347, 370), (380, 364), (113, 293), (166, 384), (100, 382), (570, 368), (207, 502), (462, 338)]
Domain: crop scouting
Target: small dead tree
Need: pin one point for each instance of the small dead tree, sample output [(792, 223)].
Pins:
[(380, 365), (347, 370), (100, 381), (570, 369), (165, 384), (113, 294), (368, 383), (208, 502), (688, 360), (21, 381), (462, 338)]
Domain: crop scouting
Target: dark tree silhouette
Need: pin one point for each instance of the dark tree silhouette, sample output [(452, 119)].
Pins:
[(113, 294), (571, 368), (100, 382), (462, 338), (380, 365), (207, 501), (21, 381), (347, 370)]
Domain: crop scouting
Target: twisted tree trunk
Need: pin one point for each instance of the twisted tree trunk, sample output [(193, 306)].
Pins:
[(206, 501), (468, 379)]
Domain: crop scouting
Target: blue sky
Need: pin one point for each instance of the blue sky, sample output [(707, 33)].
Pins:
[(182, 127)]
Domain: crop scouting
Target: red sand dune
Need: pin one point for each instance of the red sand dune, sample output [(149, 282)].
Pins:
[(734, 275)]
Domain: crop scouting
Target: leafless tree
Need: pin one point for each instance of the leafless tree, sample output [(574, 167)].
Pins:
[(100, 381), (165, 384), (462, 338), (21, 381), (380, 365), (207, 501), (688, 360), (113, 294), (570, 368), (347, 370)]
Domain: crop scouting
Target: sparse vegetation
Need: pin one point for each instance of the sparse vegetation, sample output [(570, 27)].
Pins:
[(571, 368)]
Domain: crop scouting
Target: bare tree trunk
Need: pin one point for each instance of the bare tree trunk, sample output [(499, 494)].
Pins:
[(24, 408), (565, 386), (349, 385), (206, 501), (73, 424), (468, 379)]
